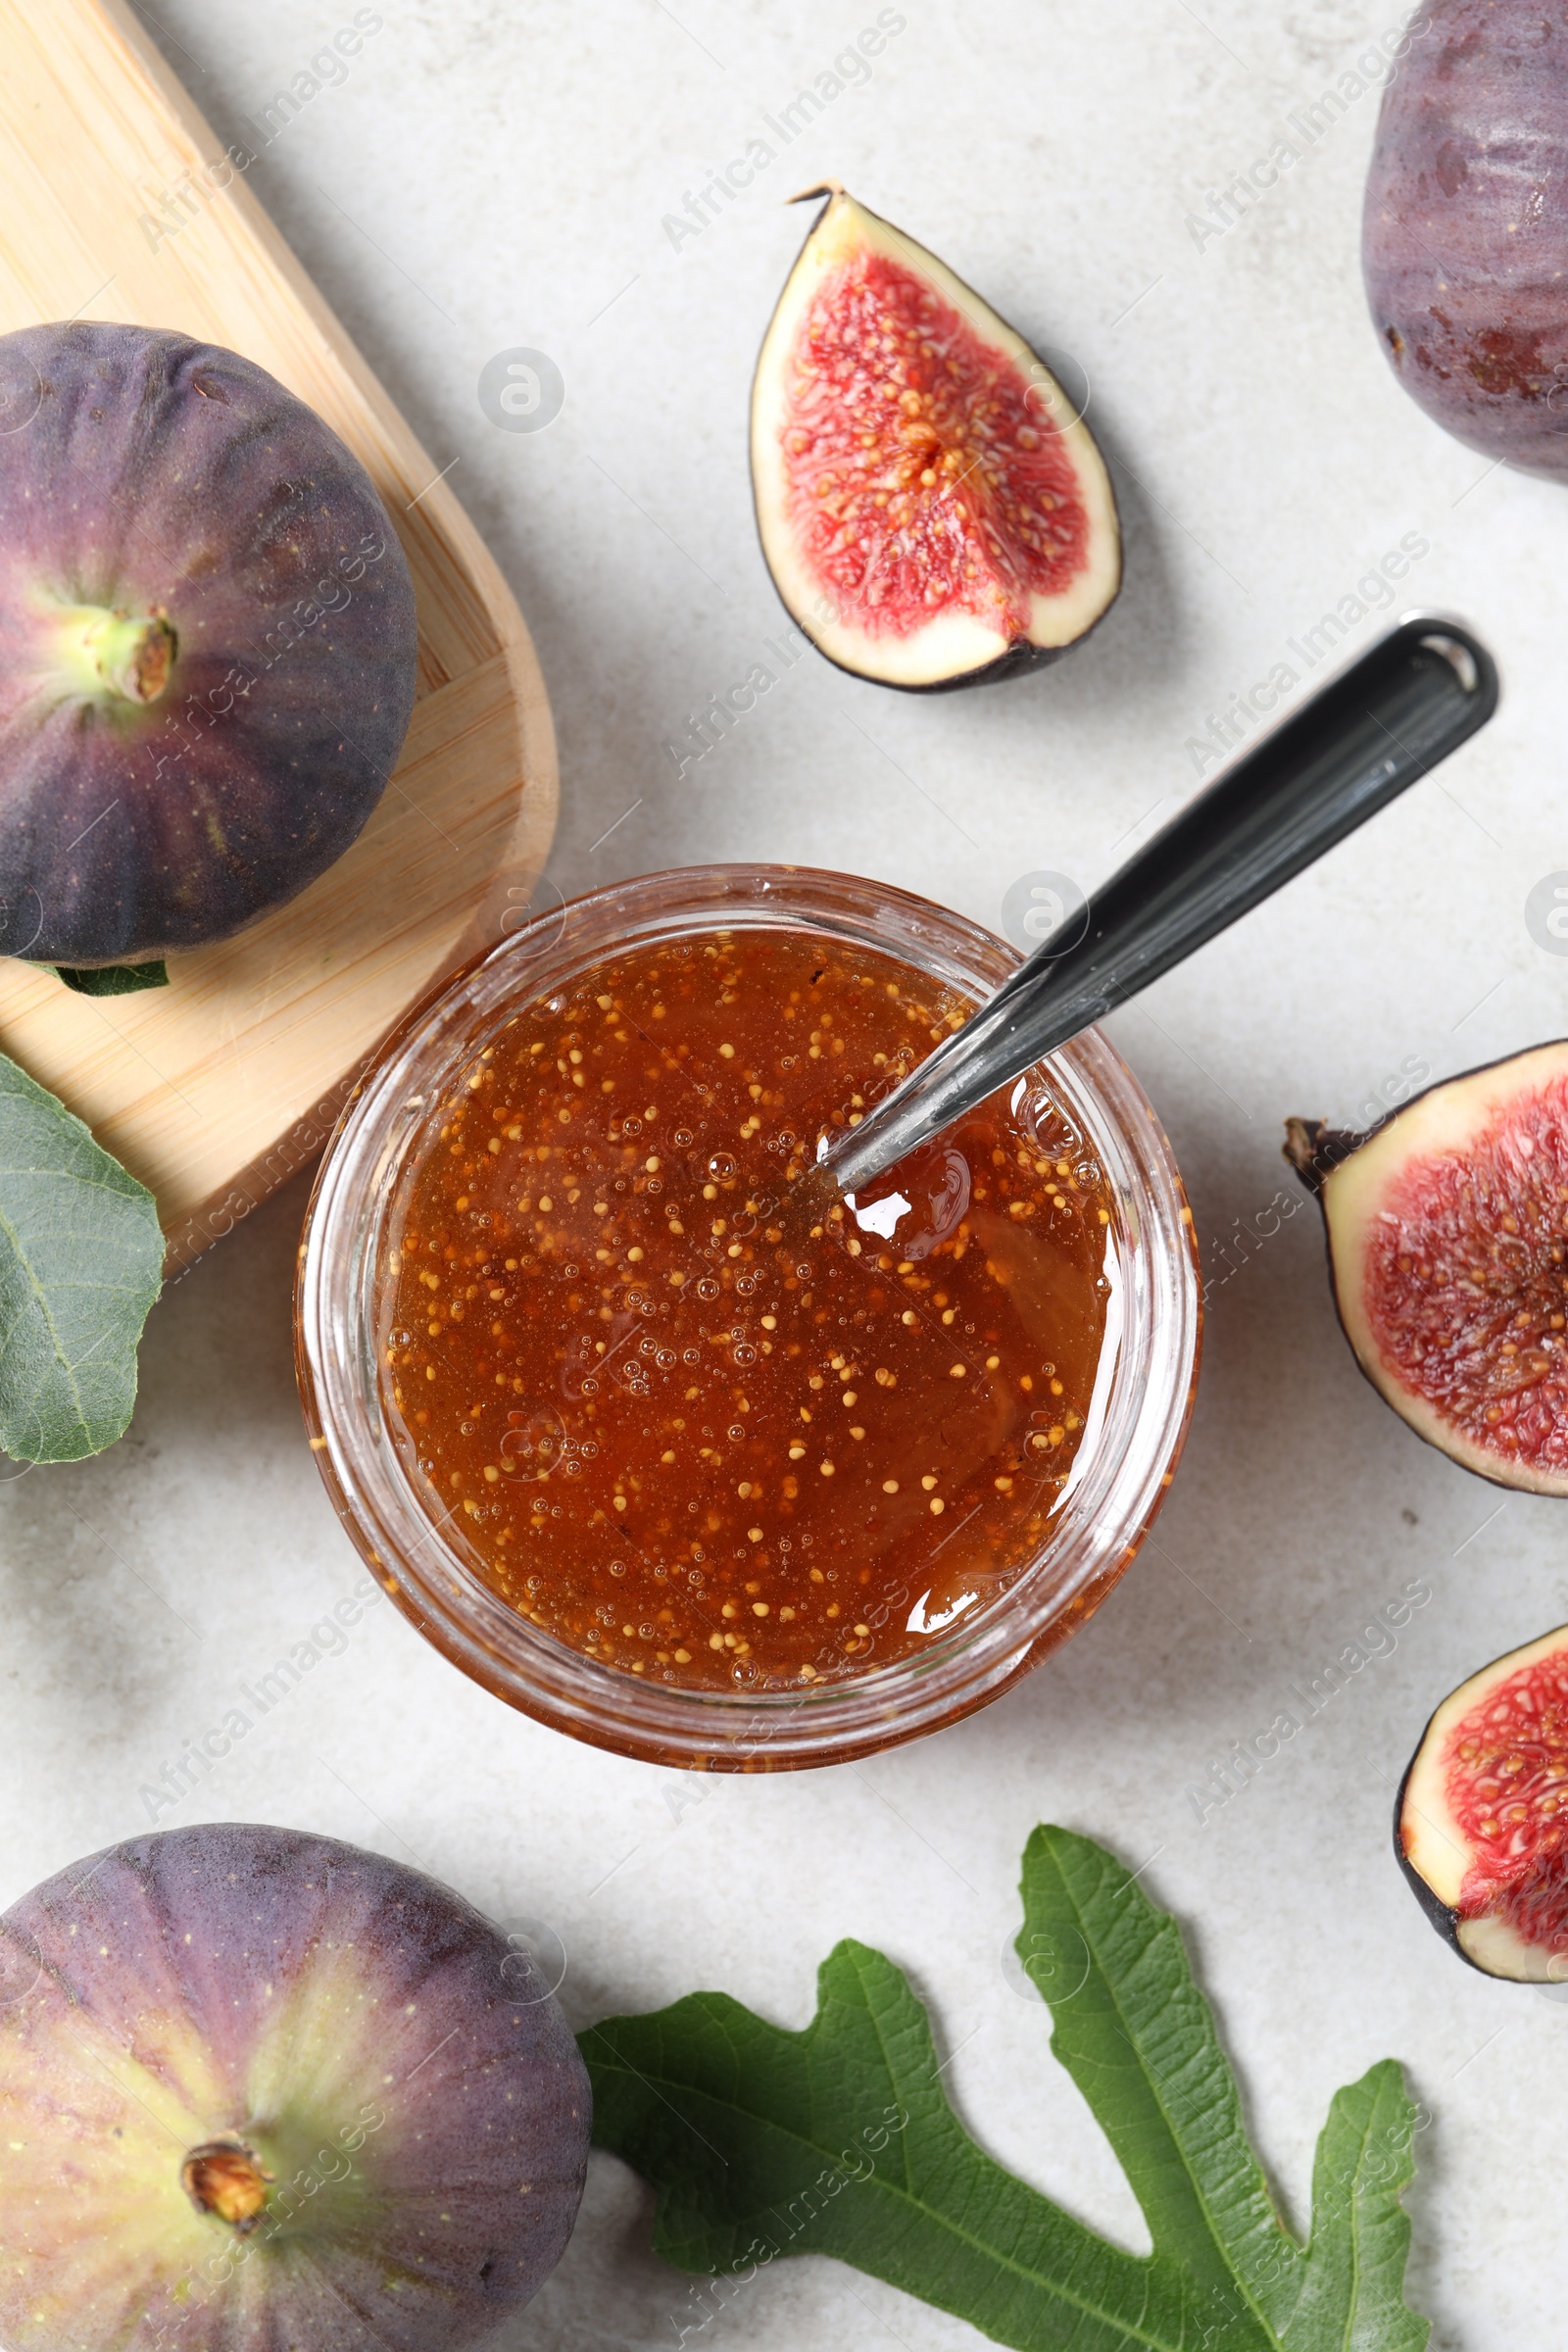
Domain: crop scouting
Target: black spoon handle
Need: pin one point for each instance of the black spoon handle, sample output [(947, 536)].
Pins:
[(1409, 701)]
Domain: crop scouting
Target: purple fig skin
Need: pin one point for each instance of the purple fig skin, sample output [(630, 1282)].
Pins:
[(382, 2061), (174, 483), (1465, 230)]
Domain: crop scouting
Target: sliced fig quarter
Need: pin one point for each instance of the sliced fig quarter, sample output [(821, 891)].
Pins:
[(262, 2091), (932, 507), (1481, 1821), (1448, 1240)]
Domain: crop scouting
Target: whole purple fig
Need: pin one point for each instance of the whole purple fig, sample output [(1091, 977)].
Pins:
[(260, 2090), (208, 646), (1465, 232)]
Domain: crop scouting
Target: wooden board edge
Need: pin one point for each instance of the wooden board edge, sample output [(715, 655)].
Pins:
[(518, 868), (191, 1237), (439, 501)]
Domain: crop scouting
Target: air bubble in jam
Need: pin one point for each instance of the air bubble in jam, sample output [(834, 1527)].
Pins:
[(700, 1421), (531, 1444)]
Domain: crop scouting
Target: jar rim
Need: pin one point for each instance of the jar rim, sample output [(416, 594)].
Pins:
[(1113, 1495)]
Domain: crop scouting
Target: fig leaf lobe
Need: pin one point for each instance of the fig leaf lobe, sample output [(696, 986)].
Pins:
[(840, 2140), (82, 1256)]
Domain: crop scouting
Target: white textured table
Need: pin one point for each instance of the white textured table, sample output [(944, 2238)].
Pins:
[(492, 176)]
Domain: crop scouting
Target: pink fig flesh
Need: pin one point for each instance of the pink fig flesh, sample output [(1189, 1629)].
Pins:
[(1480, 1827), (932, 507), (1448, 1232)]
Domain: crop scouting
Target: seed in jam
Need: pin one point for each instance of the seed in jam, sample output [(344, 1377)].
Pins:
[(679, 1406)]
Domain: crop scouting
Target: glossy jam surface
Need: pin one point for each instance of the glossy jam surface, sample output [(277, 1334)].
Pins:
[(681, 1408)]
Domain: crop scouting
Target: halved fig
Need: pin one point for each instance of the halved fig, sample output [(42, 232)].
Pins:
[(1480, 1822), (1448, 1238), (932, 507)]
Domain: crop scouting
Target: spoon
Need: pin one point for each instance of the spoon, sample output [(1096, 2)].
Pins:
[(1409, 701)]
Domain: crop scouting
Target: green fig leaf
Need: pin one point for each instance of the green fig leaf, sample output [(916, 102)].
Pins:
[(839, 2140), (1352, 2281), (112, 979), (81, 1263)]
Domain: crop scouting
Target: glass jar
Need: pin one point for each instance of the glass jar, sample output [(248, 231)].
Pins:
[(1144, 1391)]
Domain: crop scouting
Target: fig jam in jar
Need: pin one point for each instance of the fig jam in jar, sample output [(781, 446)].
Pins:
[(653, 1434), (704, 1422)]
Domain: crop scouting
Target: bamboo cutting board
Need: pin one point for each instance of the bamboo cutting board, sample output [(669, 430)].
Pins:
[(217, 1088)]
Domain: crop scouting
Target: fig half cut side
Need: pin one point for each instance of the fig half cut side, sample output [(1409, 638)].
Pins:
[(1481, 1821), (261, 2089), (932, 507), (1448, 1240)]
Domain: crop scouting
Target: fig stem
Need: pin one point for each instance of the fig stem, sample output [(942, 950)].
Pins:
[(1316, 1149), (224, 2177), (127, 656)]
